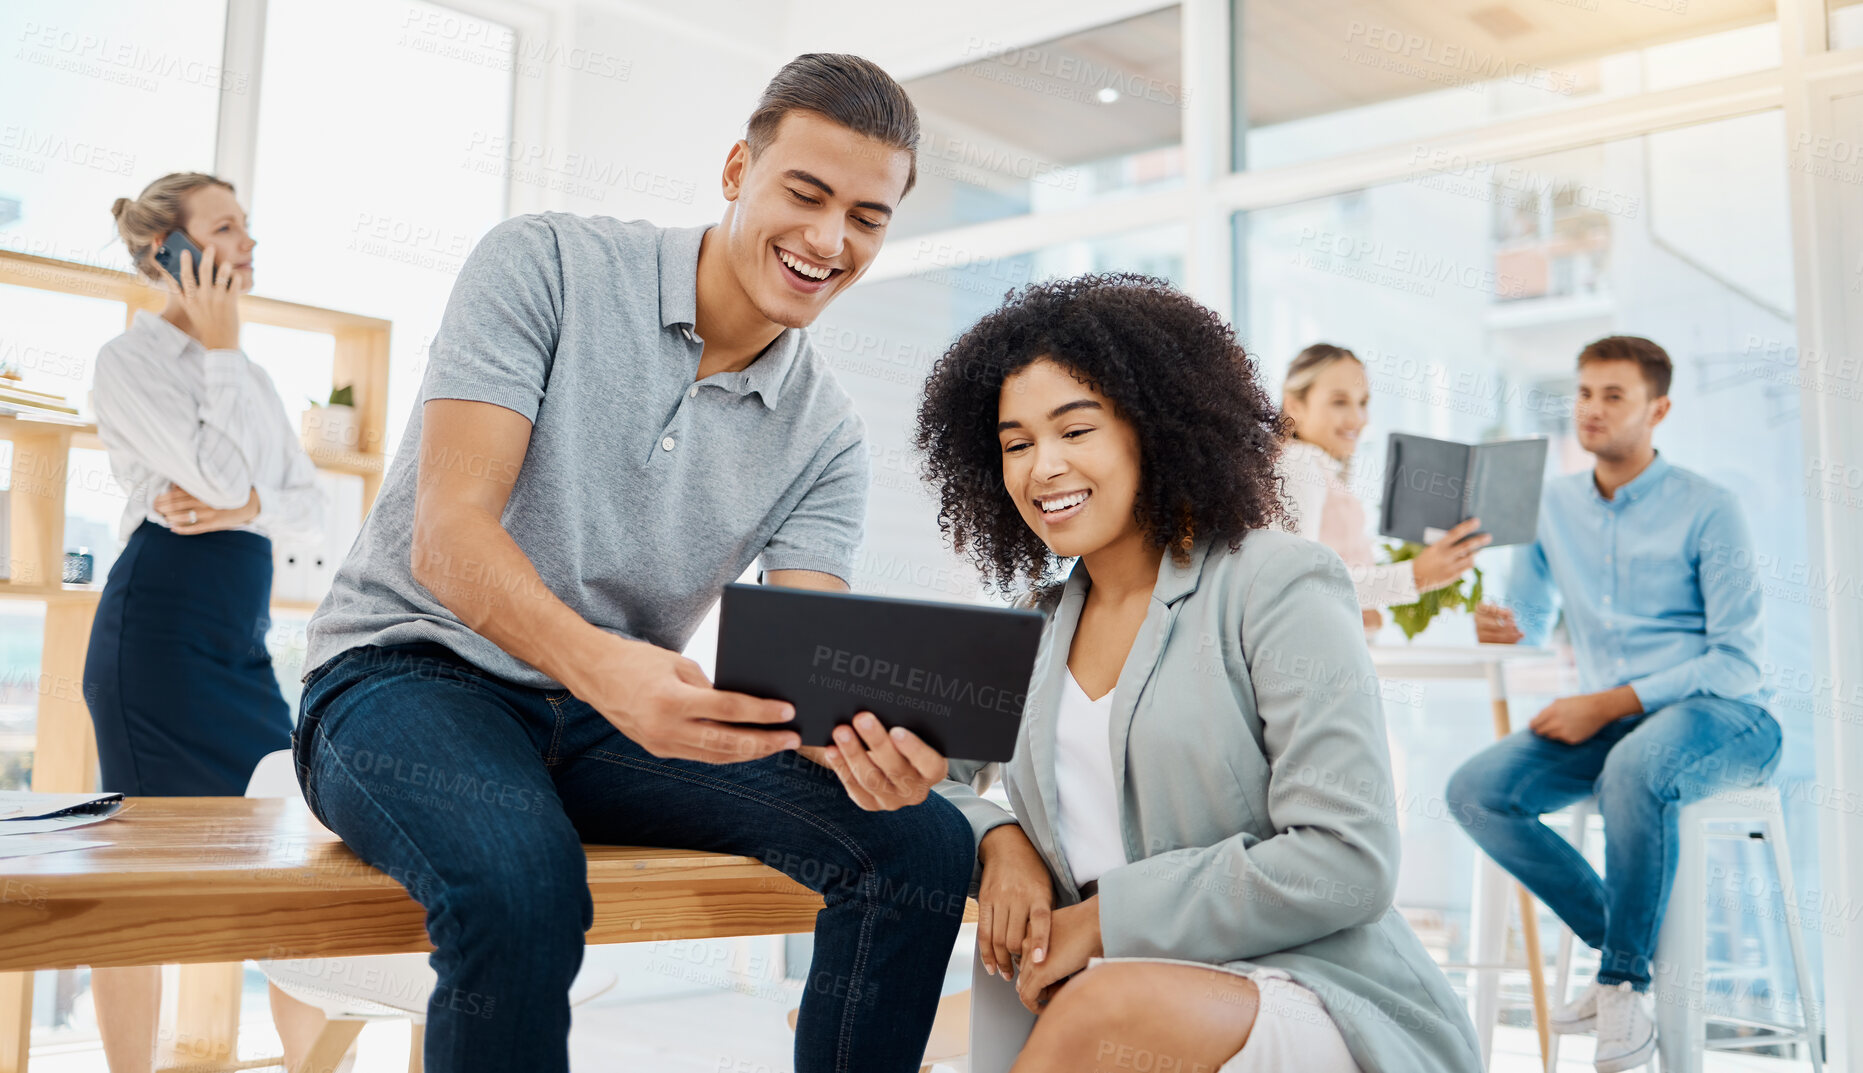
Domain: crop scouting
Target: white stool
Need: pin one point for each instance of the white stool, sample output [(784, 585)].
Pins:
[(1681, 947), (354, 990)]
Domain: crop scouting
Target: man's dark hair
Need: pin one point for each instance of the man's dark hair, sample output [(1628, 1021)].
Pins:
[(1208, 434), (849, 90), (1650, 358)]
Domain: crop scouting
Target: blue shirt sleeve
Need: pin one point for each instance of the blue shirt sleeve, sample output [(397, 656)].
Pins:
[(1531, 594), (1730, 597)]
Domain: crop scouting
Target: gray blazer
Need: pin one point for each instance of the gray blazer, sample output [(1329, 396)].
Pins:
[(1255, 794)]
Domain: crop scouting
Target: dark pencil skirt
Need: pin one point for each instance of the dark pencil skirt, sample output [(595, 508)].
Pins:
[(177, 678)]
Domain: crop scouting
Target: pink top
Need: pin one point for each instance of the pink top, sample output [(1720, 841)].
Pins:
[(1324, 509)]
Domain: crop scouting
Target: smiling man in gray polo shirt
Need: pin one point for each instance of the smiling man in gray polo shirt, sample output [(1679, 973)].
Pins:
[(617, 420)]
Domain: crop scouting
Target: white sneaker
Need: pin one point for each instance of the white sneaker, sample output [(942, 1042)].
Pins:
[(1626, 1036), (1578, 1017)]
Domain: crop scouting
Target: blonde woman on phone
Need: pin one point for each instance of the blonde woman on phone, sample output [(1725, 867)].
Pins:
[(1325, 400), (177, 677)]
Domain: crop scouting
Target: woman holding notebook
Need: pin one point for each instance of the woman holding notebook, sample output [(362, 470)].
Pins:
[(1325, 399), (1200, 863)]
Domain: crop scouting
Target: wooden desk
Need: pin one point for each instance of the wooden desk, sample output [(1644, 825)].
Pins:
[(221, 879), (210, 879)]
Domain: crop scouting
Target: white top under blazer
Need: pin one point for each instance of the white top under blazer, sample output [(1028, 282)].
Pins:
[(172, 412), (1088, 825)]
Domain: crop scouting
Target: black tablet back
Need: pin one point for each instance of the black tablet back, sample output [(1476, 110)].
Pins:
[(957, 675)]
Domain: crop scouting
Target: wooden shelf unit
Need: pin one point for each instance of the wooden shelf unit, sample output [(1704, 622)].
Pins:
[(65, 749)]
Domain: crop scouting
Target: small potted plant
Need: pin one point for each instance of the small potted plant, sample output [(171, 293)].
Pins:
[(332, 426), (1414, 618)]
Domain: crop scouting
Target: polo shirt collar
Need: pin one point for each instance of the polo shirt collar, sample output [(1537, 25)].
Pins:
[(679, 275), (765, 376), (1639, 486), (679, 306)]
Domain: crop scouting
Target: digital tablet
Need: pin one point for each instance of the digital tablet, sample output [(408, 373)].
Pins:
[(957, 675)]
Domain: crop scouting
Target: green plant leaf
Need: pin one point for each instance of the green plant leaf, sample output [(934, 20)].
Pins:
[(343, 396), (1414, 618)]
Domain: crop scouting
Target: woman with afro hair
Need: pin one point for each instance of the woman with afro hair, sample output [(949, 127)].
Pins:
[(1199, 868)]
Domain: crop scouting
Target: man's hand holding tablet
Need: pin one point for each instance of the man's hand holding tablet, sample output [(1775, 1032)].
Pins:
[(664, 702), (882, 771)]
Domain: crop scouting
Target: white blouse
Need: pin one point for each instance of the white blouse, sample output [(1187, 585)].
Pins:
[(1088, 824), (172, 412)]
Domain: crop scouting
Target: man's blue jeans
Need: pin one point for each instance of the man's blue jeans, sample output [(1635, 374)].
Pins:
[(1643, 769), (476, 794)]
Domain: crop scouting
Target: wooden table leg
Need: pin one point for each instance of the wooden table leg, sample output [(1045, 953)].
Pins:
[(207, 1014), (1529, 918), (1536, 976), (15, 1020), (331, 1045)]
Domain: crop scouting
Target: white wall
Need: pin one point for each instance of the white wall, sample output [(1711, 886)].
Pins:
[(650, 131)]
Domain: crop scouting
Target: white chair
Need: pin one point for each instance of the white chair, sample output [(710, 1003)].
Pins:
[(1681, 948), (351, 992), (949, 1035), (999, 1023)]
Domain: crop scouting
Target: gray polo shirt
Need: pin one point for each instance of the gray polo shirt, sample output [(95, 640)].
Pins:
[(642, 493)]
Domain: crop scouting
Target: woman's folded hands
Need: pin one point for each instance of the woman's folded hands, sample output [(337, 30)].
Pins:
[(1020, 935), (1074, 940), (1014, 900)]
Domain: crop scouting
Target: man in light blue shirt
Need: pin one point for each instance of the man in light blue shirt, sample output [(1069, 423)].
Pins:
[(1653, 566)]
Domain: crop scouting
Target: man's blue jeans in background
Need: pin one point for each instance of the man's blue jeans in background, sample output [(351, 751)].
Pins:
[(476, 794), (1642, 769)]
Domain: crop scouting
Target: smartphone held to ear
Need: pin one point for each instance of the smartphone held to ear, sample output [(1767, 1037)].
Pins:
[(168, 255)]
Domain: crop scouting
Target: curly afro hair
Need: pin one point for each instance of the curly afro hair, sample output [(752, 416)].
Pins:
[(1208, 434)]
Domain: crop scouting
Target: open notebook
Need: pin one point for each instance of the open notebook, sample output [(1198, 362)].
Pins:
[(1431, 486), (19, 806)]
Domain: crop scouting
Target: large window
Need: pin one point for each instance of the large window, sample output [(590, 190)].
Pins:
[(369, 196), (383, 152), (1846, 22), (120, 92)]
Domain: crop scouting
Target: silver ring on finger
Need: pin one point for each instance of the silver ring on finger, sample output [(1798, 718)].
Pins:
[(194, 517)]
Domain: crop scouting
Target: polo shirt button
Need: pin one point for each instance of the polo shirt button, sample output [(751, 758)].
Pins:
[(692, 392), (666, 444)]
